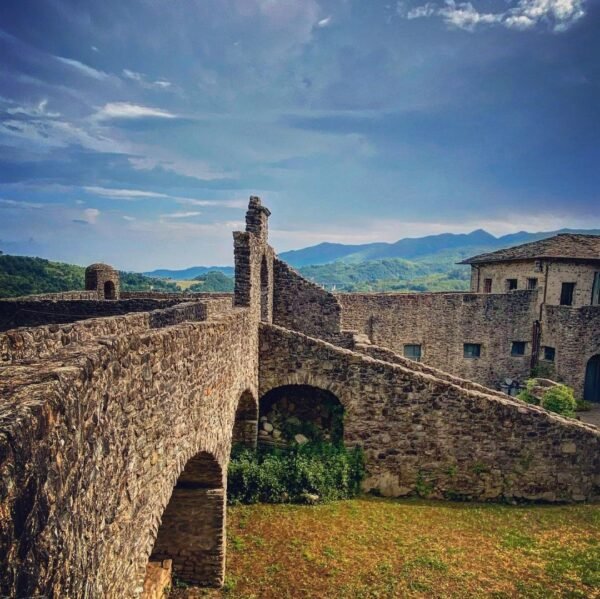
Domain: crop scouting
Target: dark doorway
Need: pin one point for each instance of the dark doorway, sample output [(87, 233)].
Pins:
[(193, 524), (591, 391), (110, 292)]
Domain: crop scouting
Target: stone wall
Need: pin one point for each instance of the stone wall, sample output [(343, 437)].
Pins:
[(443, 322), (303, 306), (31, 313), (575, 334), (60, 295), (428, 436), (93, 440), (550, 274), (44, 341)]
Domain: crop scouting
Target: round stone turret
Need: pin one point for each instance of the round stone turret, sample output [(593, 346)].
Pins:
[(103, 279)]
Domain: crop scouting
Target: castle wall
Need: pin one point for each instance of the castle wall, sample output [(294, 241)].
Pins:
[(442, 322), (427, 436), (92, 441), (44, 341), (575, 334), (34, 312), (301, 305)]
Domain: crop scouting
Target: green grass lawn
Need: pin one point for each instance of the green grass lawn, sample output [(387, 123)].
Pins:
[(371, 547)]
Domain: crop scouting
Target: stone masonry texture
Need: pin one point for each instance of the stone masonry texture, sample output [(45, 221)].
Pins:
[(117, 416)]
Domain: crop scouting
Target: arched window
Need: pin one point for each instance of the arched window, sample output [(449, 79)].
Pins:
[(110, 292), (192, 530)]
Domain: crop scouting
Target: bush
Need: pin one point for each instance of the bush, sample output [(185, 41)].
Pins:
[(526, 395), (301, 474), (559, 399)]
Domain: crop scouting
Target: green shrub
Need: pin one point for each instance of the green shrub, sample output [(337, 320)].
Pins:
[(526, 394), (559, 399), (294, 475)]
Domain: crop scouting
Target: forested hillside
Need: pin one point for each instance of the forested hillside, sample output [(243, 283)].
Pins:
[(22, 275)]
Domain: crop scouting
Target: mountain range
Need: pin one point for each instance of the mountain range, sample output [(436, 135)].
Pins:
[(416, 248)]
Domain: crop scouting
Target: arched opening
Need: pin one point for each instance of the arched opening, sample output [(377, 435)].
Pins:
[(192, 530), (109, 290), (298, 414), (245, 427), (591, 390), (264, 291)]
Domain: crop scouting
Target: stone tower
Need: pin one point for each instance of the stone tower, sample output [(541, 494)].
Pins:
[(103, 279), (254, 262)]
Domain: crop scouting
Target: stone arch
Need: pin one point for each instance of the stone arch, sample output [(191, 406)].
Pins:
[(110, 292), (192, 530), (245, 426), (313, 412), (591, 391)]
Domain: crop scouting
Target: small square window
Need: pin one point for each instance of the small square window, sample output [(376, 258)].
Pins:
[(596, 290), (566, 294), (511, 284), (549, 353), (487, 285), (413, 352), (518, 348), (472, 350), (532, 283)]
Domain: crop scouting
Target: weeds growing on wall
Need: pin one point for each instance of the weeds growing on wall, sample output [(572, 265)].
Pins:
[(311, 473)]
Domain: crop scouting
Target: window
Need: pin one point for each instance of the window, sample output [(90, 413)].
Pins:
[(413, 352), (549, 354), (566, 294), (518, 348), (538, 266), (487, 285), (511, 284), (472, 350), (532, 283), (596, 290)]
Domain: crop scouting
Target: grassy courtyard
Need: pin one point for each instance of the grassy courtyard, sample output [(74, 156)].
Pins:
[(371, 547)]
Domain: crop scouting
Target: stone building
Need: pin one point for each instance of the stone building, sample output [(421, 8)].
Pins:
[(531, 307), (118, 411)]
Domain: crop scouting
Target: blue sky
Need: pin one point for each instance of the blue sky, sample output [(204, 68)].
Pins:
[(133, 132)]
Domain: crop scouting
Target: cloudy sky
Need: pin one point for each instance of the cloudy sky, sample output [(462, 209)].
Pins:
[(133, 132)]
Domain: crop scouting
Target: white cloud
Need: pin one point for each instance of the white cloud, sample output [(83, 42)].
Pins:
[(38, 110), (19, 204), (557, 15), (143, 80), (180, 214), (125, 110), (83, 68), (138, 194), (324, 22)]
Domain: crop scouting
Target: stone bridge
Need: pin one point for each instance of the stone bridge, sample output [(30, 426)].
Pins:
[(116, 431)]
